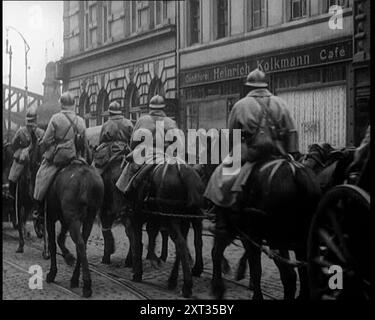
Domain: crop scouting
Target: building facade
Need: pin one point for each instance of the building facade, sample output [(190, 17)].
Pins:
[(197, 54), (305, 51), (119, 50)]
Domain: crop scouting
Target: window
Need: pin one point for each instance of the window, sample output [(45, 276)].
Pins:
[(298, 9), (143, 15), (105, 22), (194, 27), (222, 18), (158, 12), (330, 3), (134, 17), (257, 14)]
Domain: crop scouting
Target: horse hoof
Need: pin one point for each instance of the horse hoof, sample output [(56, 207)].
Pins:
[(19, 250), (257, 297), (86, 292), (128, 263), (69, 259), (155, 264), (251, 285), (196, 271), (46, 256), (106, 260), (217, 290), (163, 258), (74, 283), (137, 278), (50, 277), (186, 292), (172, 284)]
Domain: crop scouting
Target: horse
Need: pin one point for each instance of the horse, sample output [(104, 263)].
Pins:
[(329, 164), (279, 200), (111, 210), (171, 191), (74, 197), (24, 202)]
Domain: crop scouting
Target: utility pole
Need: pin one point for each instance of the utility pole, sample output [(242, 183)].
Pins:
[(9, 51)]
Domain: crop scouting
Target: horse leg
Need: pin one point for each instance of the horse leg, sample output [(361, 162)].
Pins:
[(164, 245), (129, 234), (288, 277), (217, 253), (255, 265), (242, 267), (304, 292), (181, 246), (152, 231), (109, 241), (172, 280), (68, 257), (52, 249), (86, 230), (137, 248), (77, 237), (20, 227), (198, 244)]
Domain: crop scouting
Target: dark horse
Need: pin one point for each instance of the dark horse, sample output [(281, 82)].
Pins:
[(111, 210), (279, 200), (74, 198), (174, 189)]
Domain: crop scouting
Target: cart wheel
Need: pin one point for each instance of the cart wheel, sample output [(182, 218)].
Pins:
[(14, 212), (341, 238)]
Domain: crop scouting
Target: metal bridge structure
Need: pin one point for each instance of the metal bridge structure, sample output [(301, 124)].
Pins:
[(20, 101)]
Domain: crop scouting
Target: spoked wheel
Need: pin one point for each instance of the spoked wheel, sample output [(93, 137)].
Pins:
[(341, 239)]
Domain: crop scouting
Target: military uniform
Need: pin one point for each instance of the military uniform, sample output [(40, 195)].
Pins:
[(114, 137), (25, 139), (147, 122), (59, 142), (266, 126)]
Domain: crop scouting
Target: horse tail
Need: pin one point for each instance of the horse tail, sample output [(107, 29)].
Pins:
[(91, 189)]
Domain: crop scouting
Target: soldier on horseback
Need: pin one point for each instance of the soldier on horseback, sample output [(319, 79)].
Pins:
[(146, 122), (114, 137), (63, 141), (267, 129), (24, 143)]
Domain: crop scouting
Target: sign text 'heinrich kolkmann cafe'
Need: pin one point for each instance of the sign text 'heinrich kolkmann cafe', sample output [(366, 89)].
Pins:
[(303, 58)]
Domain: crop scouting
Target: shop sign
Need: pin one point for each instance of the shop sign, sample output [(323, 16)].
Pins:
[(296, 59)]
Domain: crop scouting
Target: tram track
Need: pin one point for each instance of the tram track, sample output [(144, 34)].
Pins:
[(133, 287)]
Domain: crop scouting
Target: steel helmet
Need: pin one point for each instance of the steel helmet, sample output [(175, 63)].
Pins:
[(257, 79), (157, 102)]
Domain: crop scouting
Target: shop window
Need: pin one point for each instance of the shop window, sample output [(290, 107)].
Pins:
[(330, 3), (222, 17), (298, 9), (256, 14), (194, 21)]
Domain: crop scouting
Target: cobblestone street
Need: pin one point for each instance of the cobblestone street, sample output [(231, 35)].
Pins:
[(114, 281)]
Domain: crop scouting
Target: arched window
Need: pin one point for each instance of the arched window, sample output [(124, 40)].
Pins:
[(83, 106), (103, 104), (156, 87), (132, 103)]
